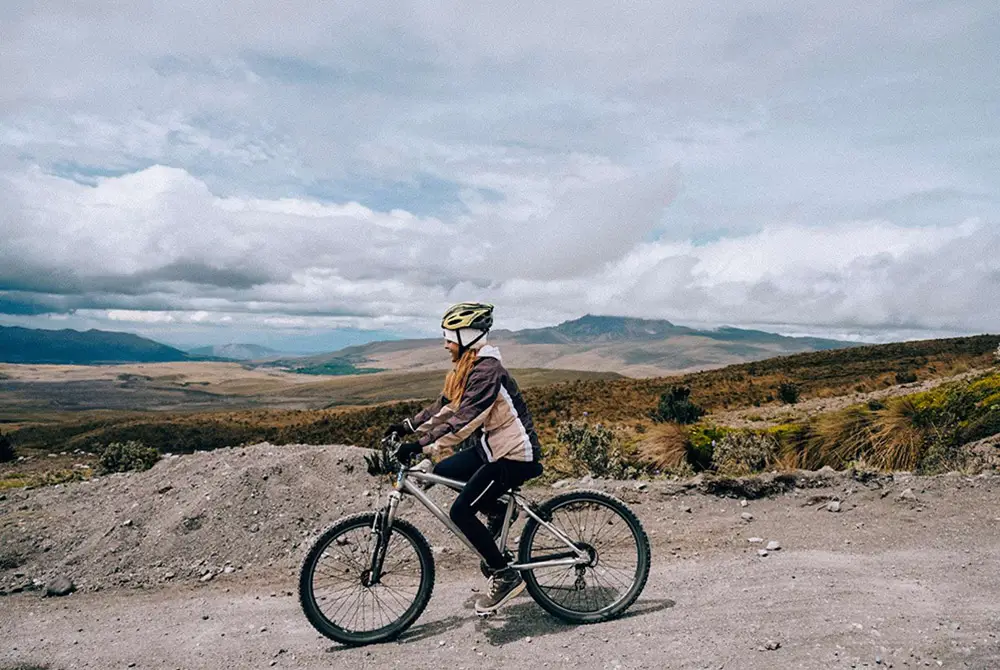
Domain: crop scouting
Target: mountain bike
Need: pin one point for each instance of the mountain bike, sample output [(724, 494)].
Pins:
[(583, 555)]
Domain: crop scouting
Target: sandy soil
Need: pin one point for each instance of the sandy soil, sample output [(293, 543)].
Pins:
[(905, 575)]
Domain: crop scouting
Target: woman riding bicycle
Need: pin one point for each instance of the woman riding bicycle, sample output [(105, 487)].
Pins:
[(480, 400)]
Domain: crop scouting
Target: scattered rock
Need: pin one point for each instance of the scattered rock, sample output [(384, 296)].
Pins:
[(743, 503), (771, 645), (907, 496), (746, 516), (762, 552), (755, 540), (833, 506), (641, 486), (773, 545), (207, 577), (60, 586), (127, 522), (229, 570), (686, 509)]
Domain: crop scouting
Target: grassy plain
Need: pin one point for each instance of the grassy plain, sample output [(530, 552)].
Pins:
[(195, 406)]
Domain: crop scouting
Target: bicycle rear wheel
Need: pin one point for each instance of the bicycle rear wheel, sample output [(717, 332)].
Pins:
[(335, 588), (609, 531)]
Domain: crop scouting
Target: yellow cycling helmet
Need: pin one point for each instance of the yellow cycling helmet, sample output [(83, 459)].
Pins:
[(478, 315)]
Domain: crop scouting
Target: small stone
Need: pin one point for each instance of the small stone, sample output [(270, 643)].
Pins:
[(762, 552), (229, 570), (686, 509), (207, 577), (528, 640), (907, 495), (773, 545), (746, 516), (641, 486), (772, 645), (127, 523), (204, 617), (441, 643), (169, 575), (833, 506), (59, 586), (755, 540), (743, 503)]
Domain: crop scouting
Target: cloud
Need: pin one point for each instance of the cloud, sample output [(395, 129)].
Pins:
[(806, 164), (159, 243)]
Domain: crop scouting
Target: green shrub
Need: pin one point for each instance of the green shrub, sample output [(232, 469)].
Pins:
[(675, 405), (7, 451), (597, 450), (906, 377), (701, 445), (744, 452), (788, 393), (126, 456)]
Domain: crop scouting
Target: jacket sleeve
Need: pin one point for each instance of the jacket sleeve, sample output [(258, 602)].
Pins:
[(429, 416), (481, 392)]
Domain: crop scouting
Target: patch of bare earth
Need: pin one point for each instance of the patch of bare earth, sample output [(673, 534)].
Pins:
[(902, 575)]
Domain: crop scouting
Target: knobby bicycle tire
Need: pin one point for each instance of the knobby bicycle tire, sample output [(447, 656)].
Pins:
[(617, 510), (340, 529)]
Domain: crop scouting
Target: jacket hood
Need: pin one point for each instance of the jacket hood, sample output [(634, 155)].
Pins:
[(489, 351)]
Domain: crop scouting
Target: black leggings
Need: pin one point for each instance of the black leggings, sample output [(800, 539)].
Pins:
[(485, 483)]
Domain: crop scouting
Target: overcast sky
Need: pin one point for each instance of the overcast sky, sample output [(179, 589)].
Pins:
[(293, 173)]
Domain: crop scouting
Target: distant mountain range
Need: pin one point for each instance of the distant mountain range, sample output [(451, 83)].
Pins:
[(634, 347), (237, 352), (92, 347)]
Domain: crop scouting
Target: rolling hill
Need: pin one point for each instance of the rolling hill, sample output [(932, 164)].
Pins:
[(629, 346), (30, 345)]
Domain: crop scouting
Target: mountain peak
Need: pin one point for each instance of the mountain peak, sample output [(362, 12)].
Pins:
[(600, 328)]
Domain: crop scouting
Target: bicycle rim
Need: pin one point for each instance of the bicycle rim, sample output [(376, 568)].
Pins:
[(606, 529), (351, 609)]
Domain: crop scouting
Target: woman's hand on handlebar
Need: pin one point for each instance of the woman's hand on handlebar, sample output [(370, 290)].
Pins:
[(400, 429), (407, 451)]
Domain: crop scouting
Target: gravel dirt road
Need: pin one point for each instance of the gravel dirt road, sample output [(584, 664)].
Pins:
[(905, 575)]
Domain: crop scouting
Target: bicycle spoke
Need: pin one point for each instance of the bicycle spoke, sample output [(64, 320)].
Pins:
[(600, 527), (345, 601)]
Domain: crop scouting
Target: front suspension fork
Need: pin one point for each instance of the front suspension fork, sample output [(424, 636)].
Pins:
[(381, 530)]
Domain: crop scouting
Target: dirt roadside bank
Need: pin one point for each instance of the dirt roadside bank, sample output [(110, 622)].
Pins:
[(904, 575)]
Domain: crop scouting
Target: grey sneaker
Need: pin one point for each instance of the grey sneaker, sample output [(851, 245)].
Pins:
[(505, 585)]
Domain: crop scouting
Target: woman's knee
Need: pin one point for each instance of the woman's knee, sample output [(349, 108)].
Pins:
[(459, 512)]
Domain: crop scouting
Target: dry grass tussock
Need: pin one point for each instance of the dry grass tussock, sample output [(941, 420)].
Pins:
[(897, 442), (664, 447)]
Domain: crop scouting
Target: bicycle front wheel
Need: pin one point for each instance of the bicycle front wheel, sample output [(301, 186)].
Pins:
[(336, 590), (610, 533)]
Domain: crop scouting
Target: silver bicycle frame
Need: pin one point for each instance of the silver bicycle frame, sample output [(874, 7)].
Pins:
[(574, 555)]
